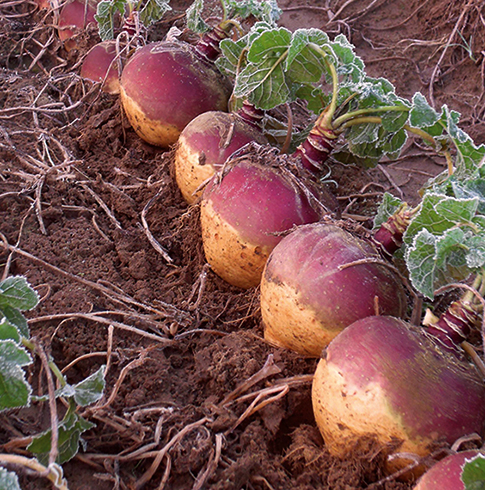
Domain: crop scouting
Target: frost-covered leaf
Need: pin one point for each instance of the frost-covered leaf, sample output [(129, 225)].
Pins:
[(105, 16), (262, 81), (475, 258), (86, 392), (70, 430), (392, 143), (388, 206), (315, 96), (421, 260), (91, 389), (303, 64), (8, 480), (473, 474), (232, 52), (15, 318), (8, 331), (66, 391), (264, 10), (233, 56), (451, 253), (153, 11), (469, 157), (352, 155), (439, 212), (193, 16), (376, 119), (422, 115), (470, 188), (443, 242), (394, 121), (16, 292), (349, 64), (361, 134), (15, 391)]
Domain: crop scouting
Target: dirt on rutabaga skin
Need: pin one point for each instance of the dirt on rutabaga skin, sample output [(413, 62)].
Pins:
[(87, 202)]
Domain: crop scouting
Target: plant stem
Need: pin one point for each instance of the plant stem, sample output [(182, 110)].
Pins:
[(328, 114), (55, 370), (371, 110), (454, 326), (389, 236), (57, 373), (54, 472)]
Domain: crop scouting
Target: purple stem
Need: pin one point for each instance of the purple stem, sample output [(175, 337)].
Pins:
[(455, 324), (314, 151), (251, 114), (389, 236), (208, 46)]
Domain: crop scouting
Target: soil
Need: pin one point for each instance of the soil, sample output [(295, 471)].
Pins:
[(82, 200)]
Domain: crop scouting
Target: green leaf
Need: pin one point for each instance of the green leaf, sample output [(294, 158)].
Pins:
[(303, 64), (15, 318), (315, 96), (360, 135), (475, 258), (17, 293), (228, 62), (443, 242), (392, 143), (469, 158), (393, 121), (262, 81), (153, 11), (470, 188), (193, 16), (105, 15), (439, 213), (422, 115), (265, 10), (388, 206), (8, 331), (15, 391), (70, 430), (8, 480), (473, 474), (232, 51), (91, 389), (451, 253), (352, 156), (349, 64), (420, 261)]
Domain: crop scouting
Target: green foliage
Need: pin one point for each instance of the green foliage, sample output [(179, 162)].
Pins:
[(194, 19), (153, 11), (15, 391), (473, 474), (389, 205), (149, 11), (262, 81), (69, 434), (17, 296), (262, 10), (272, 66), (105, 17), (445, 242)]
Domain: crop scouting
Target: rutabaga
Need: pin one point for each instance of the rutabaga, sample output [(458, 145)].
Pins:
[(246, 210), (167, 84), (385, 380), (208, 141), (318, 280)]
